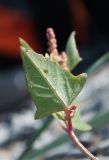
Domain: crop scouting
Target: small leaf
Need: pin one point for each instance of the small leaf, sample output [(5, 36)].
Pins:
[(78, 123), (100, 120), (34, 154), (35, 136), (50, 86), (72, 52), (99, 63)]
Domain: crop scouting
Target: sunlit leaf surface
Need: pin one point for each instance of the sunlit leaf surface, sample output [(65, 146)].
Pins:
[(50, 86)]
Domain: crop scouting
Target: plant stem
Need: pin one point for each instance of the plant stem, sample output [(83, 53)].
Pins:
[(73, 137), (76, 141)]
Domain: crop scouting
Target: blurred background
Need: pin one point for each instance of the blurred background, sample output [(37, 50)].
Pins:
[(29, 20)]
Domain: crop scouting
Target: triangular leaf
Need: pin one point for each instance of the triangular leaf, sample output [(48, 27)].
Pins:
[(50, 86), (72, 52)]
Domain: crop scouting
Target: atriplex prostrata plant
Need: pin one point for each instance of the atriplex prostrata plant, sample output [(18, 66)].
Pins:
[(53, 88)]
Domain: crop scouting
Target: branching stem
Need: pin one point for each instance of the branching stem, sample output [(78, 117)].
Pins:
[(73, 137)]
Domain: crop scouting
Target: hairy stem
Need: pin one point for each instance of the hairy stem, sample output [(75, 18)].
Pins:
[(73, 137)]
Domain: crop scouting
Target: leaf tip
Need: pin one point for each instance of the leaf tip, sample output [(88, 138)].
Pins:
[(23, 43), (83, 75), (20, 40), (73, 33)]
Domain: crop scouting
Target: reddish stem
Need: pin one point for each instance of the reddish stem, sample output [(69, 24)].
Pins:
[(68, 118), (73, 137), (84, 150)]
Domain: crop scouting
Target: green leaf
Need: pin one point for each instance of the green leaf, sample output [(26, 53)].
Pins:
[(101, 120), (72, 52), (34, 154), (78, 123), (50, 86), (60, 140), (24, 44), (99, 63), (35, 136)]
